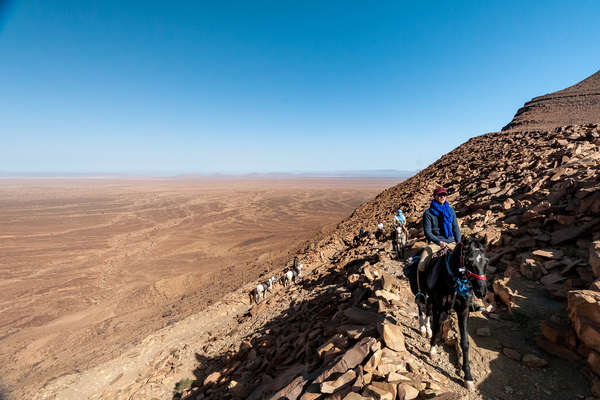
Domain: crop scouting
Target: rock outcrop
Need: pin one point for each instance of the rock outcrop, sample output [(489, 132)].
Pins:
[(575, 105)]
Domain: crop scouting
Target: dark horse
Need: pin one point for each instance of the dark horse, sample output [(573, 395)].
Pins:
[(460, 274)]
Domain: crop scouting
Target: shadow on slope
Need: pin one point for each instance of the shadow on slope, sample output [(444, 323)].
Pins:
[(286, 346)]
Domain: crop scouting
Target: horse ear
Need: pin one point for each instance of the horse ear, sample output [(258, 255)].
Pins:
[(482, 241)]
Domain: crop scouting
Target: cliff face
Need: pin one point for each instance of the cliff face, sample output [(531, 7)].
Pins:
[(575, 105)]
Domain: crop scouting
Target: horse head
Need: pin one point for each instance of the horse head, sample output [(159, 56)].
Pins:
[(474, 261)]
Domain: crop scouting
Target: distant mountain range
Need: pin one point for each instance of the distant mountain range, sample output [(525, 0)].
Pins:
[(374, 173)]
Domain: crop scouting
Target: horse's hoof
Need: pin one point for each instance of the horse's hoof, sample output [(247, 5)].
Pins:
[(429, 333), (470, 385), (433, 351), (424, 332)]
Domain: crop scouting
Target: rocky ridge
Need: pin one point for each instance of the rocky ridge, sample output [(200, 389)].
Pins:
[(349, 330), (575, 105)]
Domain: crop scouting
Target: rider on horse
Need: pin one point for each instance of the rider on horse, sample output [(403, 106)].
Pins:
[(441, 230), (400, 221)]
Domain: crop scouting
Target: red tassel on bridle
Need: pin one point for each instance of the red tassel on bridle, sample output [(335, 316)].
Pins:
[(469, 273)]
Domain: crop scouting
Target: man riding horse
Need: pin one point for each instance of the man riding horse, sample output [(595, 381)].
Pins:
[(442, 232), (400, 237), (460, 276)]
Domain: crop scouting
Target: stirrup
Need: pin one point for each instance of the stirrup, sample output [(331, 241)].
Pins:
[(420, 298)]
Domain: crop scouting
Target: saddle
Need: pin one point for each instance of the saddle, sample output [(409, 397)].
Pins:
[(432, 271)]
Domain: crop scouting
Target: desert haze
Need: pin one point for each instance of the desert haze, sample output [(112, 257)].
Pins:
[(89, 266)]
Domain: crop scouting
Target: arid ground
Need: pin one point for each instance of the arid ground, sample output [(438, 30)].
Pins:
[(91, 266)]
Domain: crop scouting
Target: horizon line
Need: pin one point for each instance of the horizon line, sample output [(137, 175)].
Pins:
[(370, 173)]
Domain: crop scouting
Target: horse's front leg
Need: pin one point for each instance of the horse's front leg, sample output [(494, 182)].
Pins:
[(428, 320), (435, 331), (464, 344), (422, 315)]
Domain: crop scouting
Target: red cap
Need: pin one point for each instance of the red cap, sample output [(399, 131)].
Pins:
[(440, 190)]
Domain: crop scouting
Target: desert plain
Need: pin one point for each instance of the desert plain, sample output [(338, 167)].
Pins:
[(91, 266)]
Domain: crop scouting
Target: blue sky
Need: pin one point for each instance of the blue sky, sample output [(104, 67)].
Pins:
[(171, 87)]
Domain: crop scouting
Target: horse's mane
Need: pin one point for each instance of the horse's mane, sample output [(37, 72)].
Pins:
[(456, 259)]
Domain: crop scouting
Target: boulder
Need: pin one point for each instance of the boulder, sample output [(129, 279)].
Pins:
[(503, 292), (355, 396), (336, 341), (212, 378), (373, 362), (350, 359), (407, 392), (552, 278), (382, 390), (530, 268), (594, 257), (389, 296), (394, 377), (362, 317), (550, 254), (291, 391), (384, 369), (584, 312), (306, 396), (237, 389), (388, 281), (557, 350), (508, 204), (333, 386), (559, 334), (533, 361), (512, 354), (393, 336)]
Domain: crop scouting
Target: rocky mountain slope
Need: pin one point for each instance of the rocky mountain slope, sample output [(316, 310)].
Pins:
[(349, 330), (574, 105)]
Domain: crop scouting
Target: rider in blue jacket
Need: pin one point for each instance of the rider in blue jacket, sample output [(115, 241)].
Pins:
[(441, 230)]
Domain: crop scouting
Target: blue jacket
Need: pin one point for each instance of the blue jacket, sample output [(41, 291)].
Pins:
[(431, 227)]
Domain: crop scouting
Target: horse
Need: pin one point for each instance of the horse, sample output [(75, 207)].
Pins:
[(400, 240), (461, 274)]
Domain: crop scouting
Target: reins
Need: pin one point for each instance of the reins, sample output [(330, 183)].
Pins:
[(462, 285)]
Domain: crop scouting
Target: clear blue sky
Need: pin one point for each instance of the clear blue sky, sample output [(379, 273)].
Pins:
[(170, 87)]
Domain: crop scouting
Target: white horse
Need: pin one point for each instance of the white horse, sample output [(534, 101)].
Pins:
[(400, 241), (262, 288), (292, 275)]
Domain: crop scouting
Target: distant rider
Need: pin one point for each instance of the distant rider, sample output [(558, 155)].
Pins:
[(379, 235), (400, 221), (441, 230)]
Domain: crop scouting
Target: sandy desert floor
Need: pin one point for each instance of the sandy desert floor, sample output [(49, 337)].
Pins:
[(91, 266)]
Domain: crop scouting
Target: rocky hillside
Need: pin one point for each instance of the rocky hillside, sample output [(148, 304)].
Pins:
[(349, 329), (574, 105)]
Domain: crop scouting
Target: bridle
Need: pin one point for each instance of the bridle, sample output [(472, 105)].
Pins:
[(466, 271), (462, 282)]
